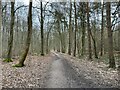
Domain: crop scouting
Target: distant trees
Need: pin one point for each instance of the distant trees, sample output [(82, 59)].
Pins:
[(110, 36), (72, 27), (47, 39)]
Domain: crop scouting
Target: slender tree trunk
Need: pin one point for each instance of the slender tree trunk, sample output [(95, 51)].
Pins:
[(89, 30), (110, 36), (95, 49), (119, 38), (64, 39), (10, 40), (94, 40), (60, 36), (0, 29), (70, 28), (22, 37), (94, 44), (4, 28), (0, 43), (62, 44), (47, 45), (42, 32), (47, 40), (74, 53), (28, 40), (119, 47), (16, 43), (78, 47), (102, 28), (83, 30)]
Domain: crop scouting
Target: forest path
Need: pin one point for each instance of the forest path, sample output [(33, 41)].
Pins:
[(58, 70), (62, 75)]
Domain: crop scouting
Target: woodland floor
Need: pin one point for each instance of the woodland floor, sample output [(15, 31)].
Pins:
[(58, 70)]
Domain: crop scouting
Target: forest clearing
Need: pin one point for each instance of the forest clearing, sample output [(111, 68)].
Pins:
[(69, 44)]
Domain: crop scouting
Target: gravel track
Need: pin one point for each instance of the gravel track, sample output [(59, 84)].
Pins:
[(65, 74)]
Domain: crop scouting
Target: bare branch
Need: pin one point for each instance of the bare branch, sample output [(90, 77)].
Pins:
[(19, 8), (4, 7)]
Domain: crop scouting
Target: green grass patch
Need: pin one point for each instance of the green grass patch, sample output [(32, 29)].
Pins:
[(18, 65), (7, 60)]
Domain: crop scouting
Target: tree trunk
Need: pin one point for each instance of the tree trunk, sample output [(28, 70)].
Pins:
[(0, 29), (42, 32), (89, 30), (3, 31), (21, 62), (110, 36), (16, 37), (119, 38), (64, 39), (62, 43), (83, 30), (60, 36), (94, 39), (10, 40), (70, 28), (119, 47), (47, 40), (94, 44), (47, 43), (102, 27), (74, 53)]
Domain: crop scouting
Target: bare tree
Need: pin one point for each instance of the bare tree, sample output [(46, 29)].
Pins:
[(110, 36), (27, 44), (42, 32)]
